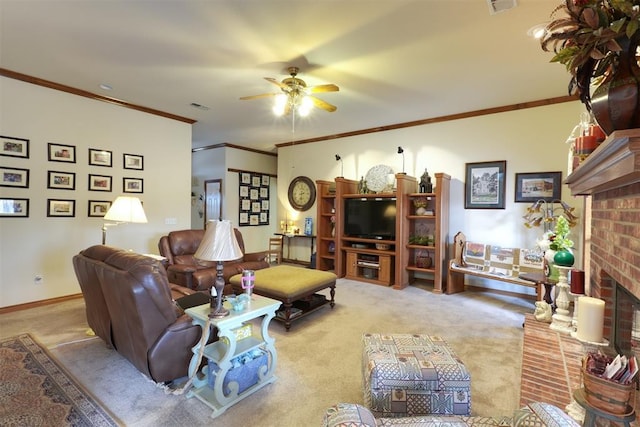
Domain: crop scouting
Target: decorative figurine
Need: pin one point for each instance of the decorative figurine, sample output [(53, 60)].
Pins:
[(362, 187), (543, 312), (425, 183)]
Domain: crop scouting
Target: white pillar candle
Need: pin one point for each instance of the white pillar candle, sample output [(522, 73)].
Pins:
[(590, 319)]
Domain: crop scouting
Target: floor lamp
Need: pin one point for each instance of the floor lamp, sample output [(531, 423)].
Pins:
[(123, 209), (219, 244)]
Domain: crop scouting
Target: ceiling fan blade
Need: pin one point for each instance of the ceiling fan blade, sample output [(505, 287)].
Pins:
[(323, 104), (324, 88), (277, 83), (263, 95)]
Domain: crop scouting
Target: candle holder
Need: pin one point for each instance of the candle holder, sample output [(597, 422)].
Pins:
[(561, 320)]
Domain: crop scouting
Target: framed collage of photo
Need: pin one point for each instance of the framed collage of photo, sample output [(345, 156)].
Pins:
[(14, 147), (254, 199), (14, 177), (14, 208)]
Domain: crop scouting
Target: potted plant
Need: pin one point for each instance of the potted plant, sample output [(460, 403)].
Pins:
[(596, 40), (557, 245)]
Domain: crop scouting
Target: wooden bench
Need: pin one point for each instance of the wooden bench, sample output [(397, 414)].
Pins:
[(494, 263)]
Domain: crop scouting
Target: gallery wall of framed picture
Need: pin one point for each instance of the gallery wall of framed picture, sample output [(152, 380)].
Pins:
[(62, 173), (254, 199)]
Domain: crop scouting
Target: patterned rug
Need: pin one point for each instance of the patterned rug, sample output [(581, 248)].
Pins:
[(36, 391)]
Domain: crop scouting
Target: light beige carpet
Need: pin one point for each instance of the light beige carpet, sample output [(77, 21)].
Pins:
[(318, 359)]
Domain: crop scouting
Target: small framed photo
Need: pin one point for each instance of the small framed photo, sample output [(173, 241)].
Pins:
[(265, 180), (100, 157), (62, 153), (531, 187), (255, 181), (99, 182), (485, 185), (14, 208), (132, 185), (61, 208), (14, 177), (133, 161), (61, 180), (245, 178), (14, 147), (97, 208)]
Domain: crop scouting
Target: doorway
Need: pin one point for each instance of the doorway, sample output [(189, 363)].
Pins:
[(212, 200)]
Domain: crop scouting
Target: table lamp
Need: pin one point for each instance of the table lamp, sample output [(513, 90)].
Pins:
[(123, 209), (218, 244)]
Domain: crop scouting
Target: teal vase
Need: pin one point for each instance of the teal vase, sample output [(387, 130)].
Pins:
[(564, 258)]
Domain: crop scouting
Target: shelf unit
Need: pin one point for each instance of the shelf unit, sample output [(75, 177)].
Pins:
[(330, 204), (367, 264), (396, 266), (427, 259)]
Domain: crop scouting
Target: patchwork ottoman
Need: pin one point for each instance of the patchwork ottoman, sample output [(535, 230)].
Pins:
[(408, 374)]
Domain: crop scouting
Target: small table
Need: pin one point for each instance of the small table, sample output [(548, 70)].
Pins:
[(592, 413), (227, 347), (541, 279), (288, 238)]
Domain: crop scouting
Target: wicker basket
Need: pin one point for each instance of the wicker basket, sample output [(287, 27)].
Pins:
[(608, 396)]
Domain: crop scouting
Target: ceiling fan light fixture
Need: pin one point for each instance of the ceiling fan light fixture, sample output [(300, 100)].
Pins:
[(305, 106), (280, 104)]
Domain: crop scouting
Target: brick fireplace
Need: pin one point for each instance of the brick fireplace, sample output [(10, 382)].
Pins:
[(611, 176)]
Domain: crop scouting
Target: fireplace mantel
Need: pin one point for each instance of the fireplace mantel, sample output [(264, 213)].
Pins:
[(615, 163)]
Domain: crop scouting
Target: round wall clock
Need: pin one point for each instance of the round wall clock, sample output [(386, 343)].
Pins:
[(302, 193)]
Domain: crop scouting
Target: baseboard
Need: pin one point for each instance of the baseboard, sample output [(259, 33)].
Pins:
[(40, 303)]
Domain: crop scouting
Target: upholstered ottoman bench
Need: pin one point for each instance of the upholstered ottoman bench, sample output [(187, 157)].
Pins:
[(408, 374), (296, 287)]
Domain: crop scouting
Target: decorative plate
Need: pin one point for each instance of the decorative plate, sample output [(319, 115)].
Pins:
[(377, 177)]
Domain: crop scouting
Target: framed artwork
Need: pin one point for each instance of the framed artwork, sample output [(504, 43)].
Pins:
[(254, 199), (97, 208), (61, 180), (99, 182), (61, 208), (14, 147), (531, 187), (485, 185), (132, 185), (100, 157), (62, 153), (14, 208), (133, 161), (14, 177)]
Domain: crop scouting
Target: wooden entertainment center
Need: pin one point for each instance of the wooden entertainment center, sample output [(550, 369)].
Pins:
[(418, 250)]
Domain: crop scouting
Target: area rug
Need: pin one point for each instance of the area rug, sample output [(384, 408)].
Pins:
[(36, 391)]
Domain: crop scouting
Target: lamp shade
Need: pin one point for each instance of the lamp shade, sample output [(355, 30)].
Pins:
[(219, 242), (126, 209)]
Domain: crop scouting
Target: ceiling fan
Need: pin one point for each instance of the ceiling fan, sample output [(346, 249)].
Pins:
[(296, 95)]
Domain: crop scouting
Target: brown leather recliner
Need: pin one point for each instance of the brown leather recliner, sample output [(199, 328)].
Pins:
[(130, 305), (178, 247)]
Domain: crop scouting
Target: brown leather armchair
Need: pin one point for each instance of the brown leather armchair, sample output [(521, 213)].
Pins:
[(130, 305), (178, 248)]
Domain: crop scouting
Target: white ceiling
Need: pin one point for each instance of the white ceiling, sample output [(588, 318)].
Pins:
[(394, 60)]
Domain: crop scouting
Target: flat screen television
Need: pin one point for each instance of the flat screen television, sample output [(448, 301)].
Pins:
[(370, 218)]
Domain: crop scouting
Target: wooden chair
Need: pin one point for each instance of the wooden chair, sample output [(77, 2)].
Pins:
[(274, 254)]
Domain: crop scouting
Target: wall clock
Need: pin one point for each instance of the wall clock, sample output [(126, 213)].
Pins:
[(302, 193)]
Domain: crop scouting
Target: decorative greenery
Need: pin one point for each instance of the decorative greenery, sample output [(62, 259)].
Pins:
[(586, 38), (419, 240), (557, 240)]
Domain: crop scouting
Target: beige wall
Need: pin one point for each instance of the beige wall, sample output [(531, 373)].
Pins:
[(215, 164), (44, 246), (531, 140)]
